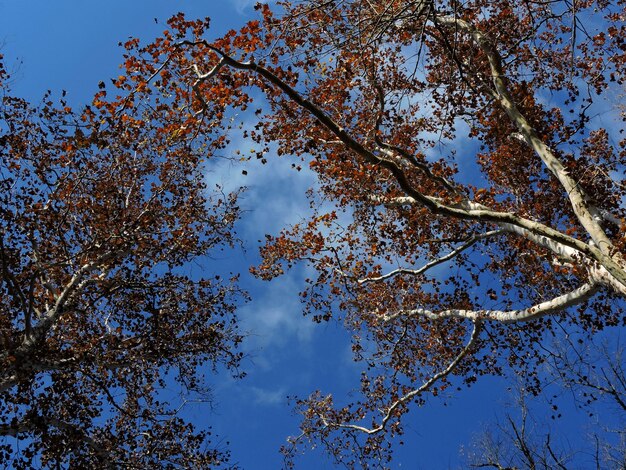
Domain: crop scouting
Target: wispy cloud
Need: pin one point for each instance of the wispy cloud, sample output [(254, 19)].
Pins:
[(268, 397), (274, 317), (242, 5), (275, 195)]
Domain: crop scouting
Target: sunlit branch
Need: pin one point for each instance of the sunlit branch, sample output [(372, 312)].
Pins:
[(506, 316), (415, 272), (201, 77), (501, 92), (603, 214), (561, 249), (435, 205), (598, 272), (77, 282), (415, 392), (74, 287)]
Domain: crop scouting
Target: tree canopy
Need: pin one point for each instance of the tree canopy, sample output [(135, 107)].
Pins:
[(101, 209), (484, 202)]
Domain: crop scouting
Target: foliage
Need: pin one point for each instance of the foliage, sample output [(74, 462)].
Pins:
[(486, 202), (101, 212)]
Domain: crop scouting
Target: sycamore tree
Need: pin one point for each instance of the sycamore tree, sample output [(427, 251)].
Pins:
[(478, 204), (101, 212), (474, 149)]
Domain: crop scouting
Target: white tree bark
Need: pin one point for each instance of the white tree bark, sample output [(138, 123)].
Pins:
[(506, 316), (500, 91), (389, 413)]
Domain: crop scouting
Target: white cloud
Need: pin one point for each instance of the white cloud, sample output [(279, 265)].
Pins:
[(275, 195), (274, 316), (267, 397), (242, 5)]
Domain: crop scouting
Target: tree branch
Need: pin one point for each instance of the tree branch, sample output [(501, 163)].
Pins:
[(506, 316), (76, 283), (413, 393), (469, 242), (501, 93), (598, 271), (24, 427), (462, 210)]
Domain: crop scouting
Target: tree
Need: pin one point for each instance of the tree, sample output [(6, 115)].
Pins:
[(456, 135), (486, 202), (594, 376), (102, 211)]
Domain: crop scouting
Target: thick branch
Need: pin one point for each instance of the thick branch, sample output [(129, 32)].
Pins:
[(48, 318), (434, 204), (507, 316), (575, 193), (598, 271), (74, 286)]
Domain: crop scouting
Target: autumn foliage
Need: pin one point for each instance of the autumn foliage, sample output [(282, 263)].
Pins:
[(484, 203), (478, 202), (102, 210)]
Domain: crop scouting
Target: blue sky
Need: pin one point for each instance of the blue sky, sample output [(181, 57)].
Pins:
[(72, 45)]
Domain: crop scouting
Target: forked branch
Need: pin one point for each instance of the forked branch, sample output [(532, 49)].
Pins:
[(500, 92), (466, 209), (469, 242), (415, 392)]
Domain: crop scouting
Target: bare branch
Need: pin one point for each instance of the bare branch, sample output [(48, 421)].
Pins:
[(469, 242)]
